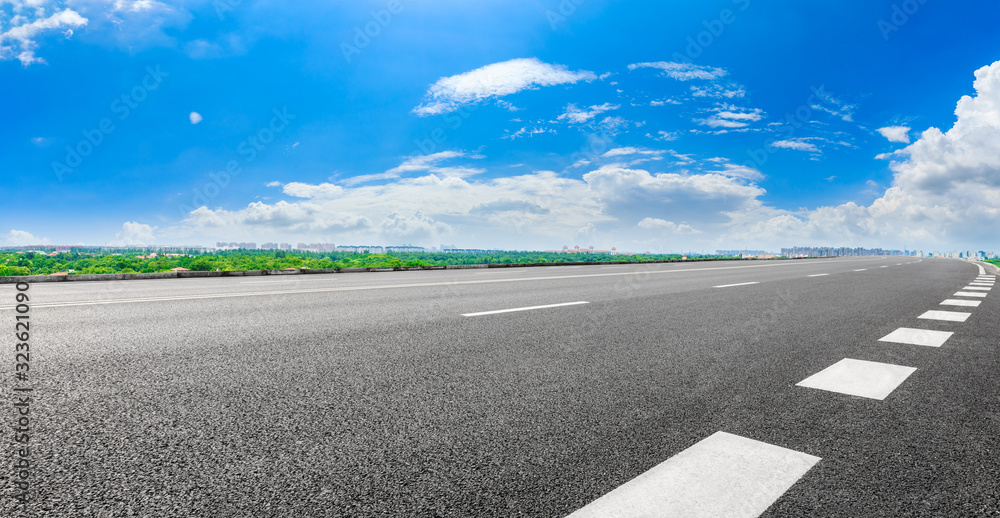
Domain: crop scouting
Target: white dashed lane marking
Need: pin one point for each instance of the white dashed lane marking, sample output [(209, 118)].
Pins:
[(950, 316), (861, 270), (970, 294), (959, 302), (738, 284), (722, 475), (529, 308), (818, 275), (859, 378), (908, 335)]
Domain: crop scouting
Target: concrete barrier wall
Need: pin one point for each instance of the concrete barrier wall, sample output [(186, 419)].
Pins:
[(304, 271)]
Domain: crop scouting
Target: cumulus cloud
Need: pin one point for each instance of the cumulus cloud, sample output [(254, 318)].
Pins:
[(682, 71), (134, 233), (131, 24), (195, 117), (896, 133), (22, 238), (576, 115), (945, 190), (494, 81), (21, 41), (668, 227), (304, 190)]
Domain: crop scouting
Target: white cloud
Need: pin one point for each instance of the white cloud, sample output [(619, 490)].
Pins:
[(664, 136), (721, 91), (666, 226), (833, 105), (20, 41), (195, 117), (896, 133), (134, 233), (945, 191), (796, 144), (130, 24), (682, 71), (273, 184), (495, 80), (576, 115), (420, 163), (731, 117), (321, 191), (22, 238), (627, 151)]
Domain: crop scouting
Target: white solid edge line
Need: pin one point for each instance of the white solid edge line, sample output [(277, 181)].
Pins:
[(818, 275), (529, 308), (391, 286), (738, 284)]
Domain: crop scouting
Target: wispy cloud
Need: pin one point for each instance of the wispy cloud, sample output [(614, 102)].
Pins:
[(796, 144), (576, 115), (682, 71), (493, 81)]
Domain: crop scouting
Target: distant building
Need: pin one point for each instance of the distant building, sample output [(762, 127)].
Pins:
[(577, 250)]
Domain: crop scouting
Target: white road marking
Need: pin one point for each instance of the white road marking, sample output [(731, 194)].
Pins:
[(981, 283), (899, 264), (958, 302), (859, 378), (529, 308), (886, 266), (950, 316), (393, 286), (738, 284), (722, 475), (862, 270), (818, 275), (977, 288), (908, 335), (969, 294), (981, 270)]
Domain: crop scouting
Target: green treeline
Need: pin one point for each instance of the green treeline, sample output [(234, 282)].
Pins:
[(78, 262)]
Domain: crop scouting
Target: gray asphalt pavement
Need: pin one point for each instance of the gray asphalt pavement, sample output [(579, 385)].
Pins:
[(372, 395)]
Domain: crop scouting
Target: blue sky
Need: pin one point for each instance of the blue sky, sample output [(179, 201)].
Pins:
[(663, 126)]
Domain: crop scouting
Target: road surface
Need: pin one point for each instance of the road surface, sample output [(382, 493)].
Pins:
[(770, 388)]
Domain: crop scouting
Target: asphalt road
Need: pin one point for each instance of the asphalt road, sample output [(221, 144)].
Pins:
[(372, 395)]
